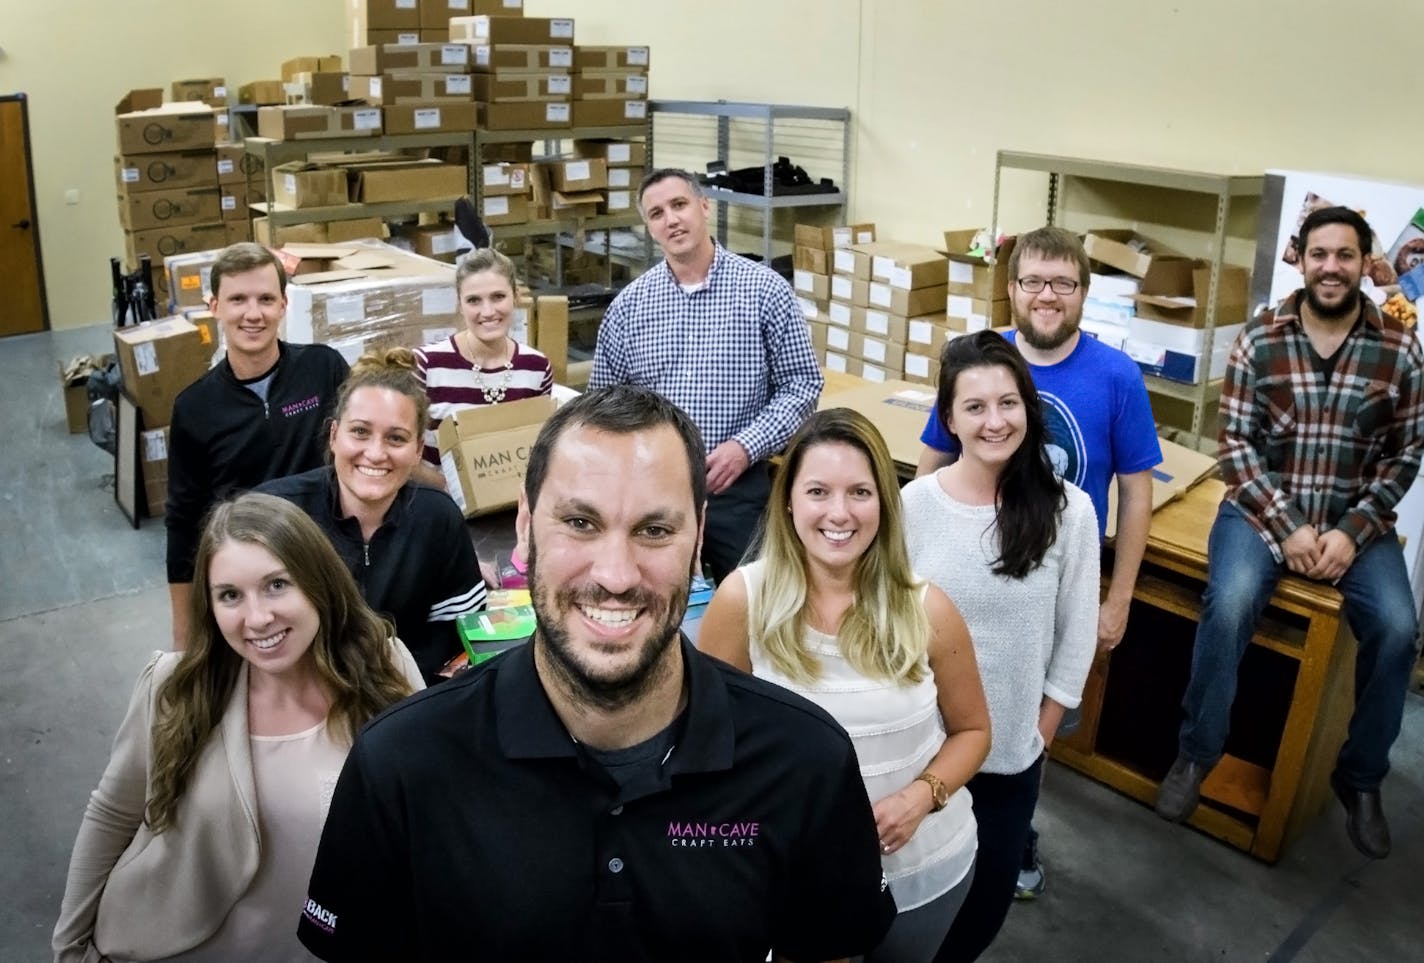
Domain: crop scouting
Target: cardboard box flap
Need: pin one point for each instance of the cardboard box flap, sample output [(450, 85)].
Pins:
[(366, 261), (1125, 250), (328, 277), (1181, 468), (957, 245), (143, 98), (154, 330), (486, 419), (574, 198), (329, 251)]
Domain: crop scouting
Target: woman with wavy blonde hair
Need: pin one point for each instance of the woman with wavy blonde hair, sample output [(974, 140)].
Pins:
[(832, 610), (198, 842), (405, 543)]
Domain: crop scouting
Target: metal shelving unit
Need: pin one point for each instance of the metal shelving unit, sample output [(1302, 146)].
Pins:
[(273, 152), (767, 115), (1220, 189)]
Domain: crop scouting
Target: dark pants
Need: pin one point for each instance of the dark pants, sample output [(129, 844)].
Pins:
[(1003, 807), (732, 518)]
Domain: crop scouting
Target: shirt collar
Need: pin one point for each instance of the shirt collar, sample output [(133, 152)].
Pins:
[(719, 257)]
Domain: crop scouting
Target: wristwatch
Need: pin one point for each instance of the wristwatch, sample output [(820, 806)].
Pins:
[(939, 792)]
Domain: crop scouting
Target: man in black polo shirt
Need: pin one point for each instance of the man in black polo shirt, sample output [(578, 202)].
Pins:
[(604, 792)]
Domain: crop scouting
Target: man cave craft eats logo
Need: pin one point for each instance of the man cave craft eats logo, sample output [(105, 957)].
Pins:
[(724, 834), (297, 407)]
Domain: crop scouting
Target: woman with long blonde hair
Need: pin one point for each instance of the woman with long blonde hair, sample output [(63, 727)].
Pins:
[(199, 839), (832, 610)]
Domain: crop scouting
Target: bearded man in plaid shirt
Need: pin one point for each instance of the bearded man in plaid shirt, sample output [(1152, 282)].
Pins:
[(1322, 423)]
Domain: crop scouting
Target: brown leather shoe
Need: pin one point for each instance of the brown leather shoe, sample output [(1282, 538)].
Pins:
[(1364, 818), (1181, 789)]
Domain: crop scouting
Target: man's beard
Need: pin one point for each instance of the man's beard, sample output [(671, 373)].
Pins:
[(1033, 339), (606, 693), (1347, 307)]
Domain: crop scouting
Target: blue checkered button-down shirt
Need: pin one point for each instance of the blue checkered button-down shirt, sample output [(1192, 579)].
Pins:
[(735, 354)]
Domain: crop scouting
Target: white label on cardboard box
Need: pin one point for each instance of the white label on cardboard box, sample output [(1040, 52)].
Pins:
[(130, 175), (229, 203), (495, 175), (872, 350), (638, 56), (620, 153), (153, 447), (367, 119), (289, 184), (839, 313), (801, 281), (620, 177), (482, 55), (458, 84), (865, 237), (516, 178), (561, 57), (838, 338), (146, 358), (561, 29), (407, 38), (921, 332), (835, 362), (219, 91), (620, 200), (514, 4), (845, 260), (519, 325), (917, 365), (496, 206), (959, 306), (452, 479), (577, 170), (561, 84), (636, 83), (880, 294), (872, 373), (976, 322), (878, 323), (635, 110), (439, 300), (442, 243), (224, 166), (900, 277), (808, 309), (841, 287), (556, 113), (374, 86), (221, 119), (405, 4), (881, 266), (454, 54), (961, 273), (346, 308), (427, 118), (840, 237)]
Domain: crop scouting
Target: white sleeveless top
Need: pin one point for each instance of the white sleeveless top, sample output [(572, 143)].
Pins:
[(897, 730)]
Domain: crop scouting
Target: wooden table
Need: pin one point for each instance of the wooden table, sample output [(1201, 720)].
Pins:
[(1293, 701)]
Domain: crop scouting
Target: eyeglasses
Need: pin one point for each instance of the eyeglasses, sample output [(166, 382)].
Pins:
[(1058, 285)]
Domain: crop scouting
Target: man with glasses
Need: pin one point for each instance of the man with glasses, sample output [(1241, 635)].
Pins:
[(1098, 416)]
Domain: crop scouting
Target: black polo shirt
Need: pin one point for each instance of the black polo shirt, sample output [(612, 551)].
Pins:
[(467, 824)]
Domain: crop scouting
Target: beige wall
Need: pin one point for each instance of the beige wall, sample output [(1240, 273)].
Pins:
[(76, 58), (935, 89)]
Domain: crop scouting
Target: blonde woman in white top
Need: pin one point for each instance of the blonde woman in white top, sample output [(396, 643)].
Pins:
[(832, 611)]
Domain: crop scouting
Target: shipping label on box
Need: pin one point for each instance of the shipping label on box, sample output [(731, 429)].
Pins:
[(808, 282), (922, 370), (879, 352), (505, 209), (926, 335), (141, 173), (850, 290), (484, 452), (882, 324)]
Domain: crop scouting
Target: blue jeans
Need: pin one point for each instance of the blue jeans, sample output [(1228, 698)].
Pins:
[(1379, 606)]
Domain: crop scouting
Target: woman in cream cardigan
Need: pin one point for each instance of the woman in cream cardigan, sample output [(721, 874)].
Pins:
[(198, 842)]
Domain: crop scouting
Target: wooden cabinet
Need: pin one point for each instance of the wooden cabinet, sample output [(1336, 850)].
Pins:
[(1293, 700)]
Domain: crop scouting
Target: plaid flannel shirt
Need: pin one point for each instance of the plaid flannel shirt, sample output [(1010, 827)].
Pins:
[(735, 355), (1298, 451)]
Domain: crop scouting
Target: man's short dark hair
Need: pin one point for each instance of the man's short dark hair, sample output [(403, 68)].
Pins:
[(619, 410), (1337, 215), (669, 173), (243, 257)]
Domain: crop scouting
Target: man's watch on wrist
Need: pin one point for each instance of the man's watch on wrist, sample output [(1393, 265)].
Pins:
[(939, 792)]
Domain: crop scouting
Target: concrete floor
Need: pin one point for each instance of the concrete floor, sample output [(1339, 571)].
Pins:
[(82, 603)]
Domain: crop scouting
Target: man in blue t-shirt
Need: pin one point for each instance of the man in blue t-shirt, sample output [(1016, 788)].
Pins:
[(1098, 417)]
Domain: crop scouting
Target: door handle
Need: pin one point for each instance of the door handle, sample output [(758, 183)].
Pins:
[(22, 225)]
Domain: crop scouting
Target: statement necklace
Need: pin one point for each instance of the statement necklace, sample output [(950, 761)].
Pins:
[(494, 393)]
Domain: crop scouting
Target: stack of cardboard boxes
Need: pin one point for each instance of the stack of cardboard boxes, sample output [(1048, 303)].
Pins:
[(523, 68), (813, 263)]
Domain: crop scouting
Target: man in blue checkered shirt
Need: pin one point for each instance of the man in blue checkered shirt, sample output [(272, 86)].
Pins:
[(723, 338)]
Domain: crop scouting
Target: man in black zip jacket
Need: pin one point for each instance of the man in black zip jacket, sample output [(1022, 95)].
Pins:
[(257, 415)]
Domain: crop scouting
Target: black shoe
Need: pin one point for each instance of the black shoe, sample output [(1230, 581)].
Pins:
[(1364, 818), (1180, 790)]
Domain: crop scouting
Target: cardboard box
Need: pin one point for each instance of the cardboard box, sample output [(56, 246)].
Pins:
[(234, 164), (484, 452), (922, 370), (818, 286), (449, 58), (430, 118), (813, 309), (1175, 290), (185, 205), (926, 335), (437, 241), (237, 230), (189, 277), (500, 86), (142, 173), (484, 29), (488, 57), (611, 58), (1125, 250), (157, 360), (610, 85), (210, 90), (437, 13), (143, 98), (172, 127), (584, 174), (1179, 337), (616, 202), (159, 242), (233, 200), (874, 373), (496, 8), (832, 238), (74, 381), (497, 180), (968, 315), (504, 209), (879, 352), (811, 259), (380, 38), (411, 88), (525, 116), (904, 302), (388, 14), (976, 277), (834, 361), (817, 331), (1183, 366), (324, 88), (320, 64), (551, 333), (909, 267), (609, 113), (850, 290), (330, 232), (300, 184), (899, 409), (881, 324), (617, 153), (839, 339), (312, 121), (623, 177), (262, 93), (415, 181), (840, 314), (854, 262)]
